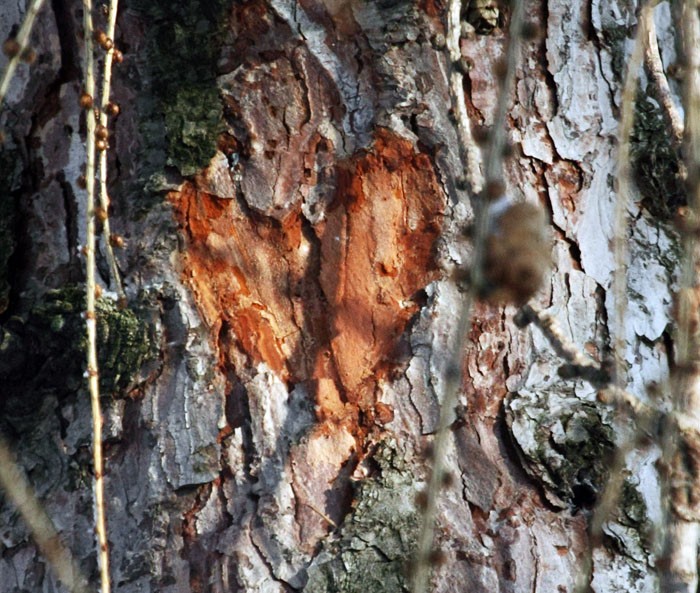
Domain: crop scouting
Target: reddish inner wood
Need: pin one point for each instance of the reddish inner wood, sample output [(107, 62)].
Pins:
[(326, 304)]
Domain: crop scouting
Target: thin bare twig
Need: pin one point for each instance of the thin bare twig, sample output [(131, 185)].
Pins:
[(469, 151), (104, 196), (655, 70), (620, 242), (471, 157), (683, 528), (577, 365), (40, 525), (21, 39), (611, 492), (90, 314), (607, 500)]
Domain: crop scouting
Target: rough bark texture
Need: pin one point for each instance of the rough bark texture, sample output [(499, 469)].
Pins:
[(284, 174)]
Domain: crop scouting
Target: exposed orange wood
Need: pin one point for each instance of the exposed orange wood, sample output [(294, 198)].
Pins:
[(326, 310)]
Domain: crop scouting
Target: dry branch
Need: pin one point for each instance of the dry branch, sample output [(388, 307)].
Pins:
[(90, 313), (40, 525), (104, 196)]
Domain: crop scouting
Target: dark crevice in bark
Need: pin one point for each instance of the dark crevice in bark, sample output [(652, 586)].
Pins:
[(199, 560), (68, 39), (669, 345), (594, 37), (75, 271), (548, 76), (474, 113), (33, 175), (603, 339), (18, 268), (263, 556)]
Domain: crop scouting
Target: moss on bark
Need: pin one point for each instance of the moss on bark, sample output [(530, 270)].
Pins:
[(49, 342), (182, 110), (656, 162)]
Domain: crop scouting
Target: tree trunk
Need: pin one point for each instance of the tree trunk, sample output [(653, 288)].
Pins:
[(285, 177)]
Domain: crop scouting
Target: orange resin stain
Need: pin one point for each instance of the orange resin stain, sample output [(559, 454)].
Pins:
[(322, 305)]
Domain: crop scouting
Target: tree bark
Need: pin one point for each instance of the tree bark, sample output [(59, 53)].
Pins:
[(285, 178)]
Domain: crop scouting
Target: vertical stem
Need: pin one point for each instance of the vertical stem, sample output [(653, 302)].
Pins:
[(104, 196), (90, 314), (421, 575), (621, 257), (612, 489), (469, 152), (471, 158), (620, 242), (683, 530)]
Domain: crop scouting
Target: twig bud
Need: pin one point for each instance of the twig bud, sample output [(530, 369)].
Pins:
[(11, 47), (481, 134), (438, 41), (437, 557), (86, 101), (494, 189), (463, 65), (28, 55), (500, 69), (101, 132), (529, 31), (100, 36), (100, 214), (517, 254), (112, 109)]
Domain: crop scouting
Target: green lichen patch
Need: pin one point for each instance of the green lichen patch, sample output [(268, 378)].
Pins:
[(633, 513), (656, 162), (125, 343), (182, 108), (44, 351), (632, 505), (629, 531), (193, 120), (377, 540), (615, 37), (565, 444)]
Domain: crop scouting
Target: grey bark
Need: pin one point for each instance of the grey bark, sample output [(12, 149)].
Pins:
[(218, 478)]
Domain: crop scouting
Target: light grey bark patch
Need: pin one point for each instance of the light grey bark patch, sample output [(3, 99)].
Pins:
[(275, 428), (359, 110), (372, 550), (565, 444), (186, 404)]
